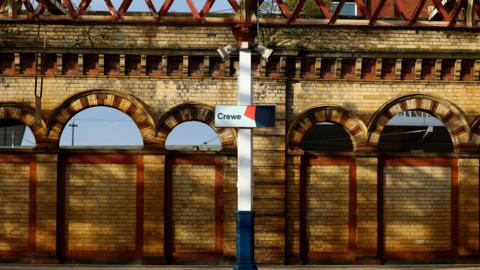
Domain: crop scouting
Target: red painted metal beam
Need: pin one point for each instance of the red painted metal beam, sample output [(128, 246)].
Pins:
[(377, 11), (363, 9), (206, 7), (29, 7), (70, 8), (283, 8), (401, 8), (441, 9), (194, 10), (152, 9), (337, 12), (42, 7), (165, 7), (83, 6), (453, 18), (124, 7), (296, 11), (111, 8), (324, 9), (417, 12), (200, 16), (477, 7), (234, 5)]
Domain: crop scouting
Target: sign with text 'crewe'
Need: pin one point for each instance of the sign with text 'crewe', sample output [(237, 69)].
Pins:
[(245, 116)]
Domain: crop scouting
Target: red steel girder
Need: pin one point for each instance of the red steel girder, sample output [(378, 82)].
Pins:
[(367, 16), (417, 11), (441, 9), (460, 5), (337, 12), (70, 9), (377, 11), (363, 9), (83, 6), (194, 10), (28, 6), (124, 7), (477, 7), (401, 8)]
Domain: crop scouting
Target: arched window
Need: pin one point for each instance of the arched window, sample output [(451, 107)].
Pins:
[(415, 131), (14, 134), (193, 135), (326, 137), (101, 126)]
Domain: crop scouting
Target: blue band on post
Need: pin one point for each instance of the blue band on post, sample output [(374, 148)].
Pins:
[(245, 241)]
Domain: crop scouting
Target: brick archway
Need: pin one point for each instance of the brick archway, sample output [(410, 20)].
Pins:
[(128, 104), (193, 112), (353, 125), (24, 114), (451, 116), (475, 135)]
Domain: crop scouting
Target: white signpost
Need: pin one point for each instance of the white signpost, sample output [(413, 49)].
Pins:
[(245, 116), (245, 225)]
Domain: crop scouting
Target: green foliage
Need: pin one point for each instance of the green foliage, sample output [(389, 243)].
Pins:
[(300, 37)]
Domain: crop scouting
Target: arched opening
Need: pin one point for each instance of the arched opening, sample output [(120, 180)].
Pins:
[(194, 184), (418, 190), (328, 178), (193, 135), (106, 183), (326, 137), (15, 134), (101, 126), (415, 131)]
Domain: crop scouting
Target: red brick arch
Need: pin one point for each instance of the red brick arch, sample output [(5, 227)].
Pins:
[(24, 114), (128, 104), (354, 126), (475, 135), (193, 112), (451, 116)]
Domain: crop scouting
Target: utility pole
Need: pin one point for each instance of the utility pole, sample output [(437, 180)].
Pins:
[(73, 125)]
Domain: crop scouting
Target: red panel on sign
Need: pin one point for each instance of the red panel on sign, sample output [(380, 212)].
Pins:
[(250, 112)]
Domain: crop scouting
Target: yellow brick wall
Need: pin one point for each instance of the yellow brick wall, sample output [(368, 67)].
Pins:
[(46, 203), (100, 212), (14, 199), (366, 206), (366, 97), (193, 203), (293, 207), (229, 206), (327, 208), (124, 37), (417, 209), (468, 204), (154, 205)]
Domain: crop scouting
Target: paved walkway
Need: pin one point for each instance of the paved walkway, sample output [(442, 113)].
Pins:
[(312, 267)]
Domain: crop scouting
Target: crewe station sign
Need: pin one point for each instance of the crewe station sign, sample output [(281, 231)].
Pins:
[(245, 116)]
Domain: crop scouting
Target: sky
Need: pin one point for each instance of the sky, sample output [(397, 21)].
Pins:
[(104, 126), (177, 6)]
